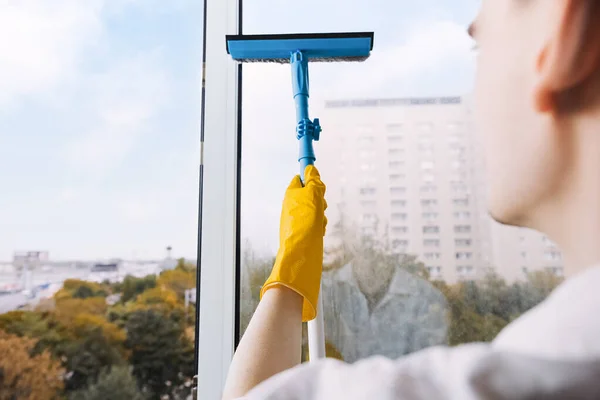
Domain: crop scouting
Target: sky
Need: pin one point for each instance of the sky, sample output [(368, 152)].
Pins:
[(100, 112)]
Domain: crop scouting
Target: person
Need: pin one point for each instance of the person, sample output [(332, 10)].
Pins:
[(538, 108)]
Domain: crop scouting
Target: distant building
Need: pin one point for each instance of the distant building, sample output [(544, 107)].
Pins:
[(411, 170)]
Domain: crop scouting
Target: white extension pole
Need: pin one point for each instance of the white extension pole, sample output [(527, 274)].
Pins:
[(316, 333)]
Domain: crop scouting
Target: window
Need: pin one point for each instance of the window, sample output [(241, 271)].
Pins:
[(430, 215), (399, 217), (368, 231), (460, 202), (465, 270), (400, 244), (366, 167), (397, 177), (454, 126), (425, 126), (366, 140), (394, 127), (461, 255), (458, 187), (462, 242), (462, 214), (462, 229), (552, 255), (397, 190), (428, 188), (395, 139), (396, 164), (368, 204), (431, 243), (524, 254), (431, 229), (368, 190), (429, 202), (427, 165), (399, 229), (425, 146), (369, 217), (428, 178), (398, 203), (395, 152), (457, 164), (366, 153), (432, 256)]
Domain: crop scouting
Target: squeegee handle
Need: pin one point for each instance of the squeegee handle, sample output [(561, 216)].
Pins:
[(306, 132)]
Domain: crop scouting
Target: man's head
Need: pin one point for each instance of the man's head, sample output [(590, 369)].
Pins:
[(538, 102)]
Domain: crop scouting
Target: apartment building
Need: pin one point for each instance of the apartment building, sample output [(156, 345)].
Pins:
[(409, 171)]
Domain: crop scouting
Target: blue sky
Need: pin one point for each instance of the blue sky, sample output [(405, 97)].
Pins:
[(100, 105)]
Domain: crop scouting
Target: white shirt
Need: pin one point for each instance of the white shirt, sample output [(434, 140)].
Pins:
[(551, 352)]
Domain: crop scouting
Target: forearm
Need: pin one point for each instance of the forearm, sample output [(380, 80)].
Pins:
[(271, 344)]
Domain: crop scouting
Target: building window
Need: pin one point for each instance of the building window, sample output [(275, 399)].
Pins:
[(395, 152), (427, 165), (397, 244), (457, 164), (366, 140), (399, 229), (525, 270), (458, 187), (395, 139), (428, 178), (461, 255), (394, 127), (397, 190), (552, 255), (368, 231), (431, 229), (558, 271), (366, 154), (431, 243), (369, 218), (368, 204), (462, 229), (425, 126), (366, 167), (523, 254), (462, 214), (432, 256), (364, 128), (430, 215), (399, 217), (397, 177), (429, 202), (463, 242), (396, 164), (398, 203), (460, 202), (434, 272), (428, 189), (368, 190), (425, 146)]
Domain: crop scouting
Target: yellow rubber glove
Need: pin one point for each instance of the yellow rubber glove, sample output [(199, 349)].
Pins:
[(299, 261)]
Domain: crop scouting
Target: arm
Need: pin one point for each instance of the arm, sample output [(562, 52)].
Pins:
[(271, 344), (273, 340)]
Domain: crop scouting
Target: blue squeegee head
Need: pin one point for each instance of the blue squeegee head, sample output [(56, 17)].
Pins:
[(319, 47)]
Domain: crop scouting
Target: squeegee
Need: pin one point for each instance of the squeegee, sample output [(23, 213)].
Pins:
[(298, 50)]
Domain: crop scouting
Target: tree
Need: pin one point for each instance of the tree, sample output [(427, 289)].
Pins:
[(79, 289), (116, 383), (177, 280), (132, 286), (27, 377), (162, 357)]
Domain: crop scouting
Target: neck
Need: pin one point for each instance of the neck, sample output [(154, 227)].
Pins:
[(572, 216)]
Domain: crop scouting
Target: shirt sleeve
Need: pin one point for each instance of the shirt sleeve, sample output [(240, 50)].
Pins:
[(468, 372)]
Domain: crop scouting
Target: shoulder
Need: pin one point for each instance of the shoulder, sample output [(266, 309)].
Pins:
[(467, 372)]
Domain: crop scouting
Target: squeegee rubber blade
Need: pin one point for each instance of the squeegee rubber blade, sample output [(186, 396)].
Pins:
[(333, 47)]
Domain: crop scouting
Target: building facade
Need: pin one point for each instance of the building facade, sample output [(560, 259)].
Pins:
[(410, 171)]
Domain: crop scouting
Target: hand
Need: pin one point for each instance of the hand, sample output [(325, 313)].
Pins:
[(299, 261)]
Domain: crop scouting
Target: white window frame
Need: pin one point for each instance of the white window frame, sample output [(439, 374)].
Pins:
[(219, 225)]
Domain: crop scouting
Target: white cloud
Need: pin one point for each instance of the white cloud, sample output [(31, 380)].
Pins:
[(123, 101), (42, 43)]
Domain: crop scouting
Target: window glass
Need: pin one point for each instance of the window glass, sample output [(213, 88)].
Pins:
[(99, 154), (417, 106)]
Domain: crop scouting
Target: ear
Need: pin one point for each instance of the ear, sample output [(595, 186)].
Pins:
[(571, 54)]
